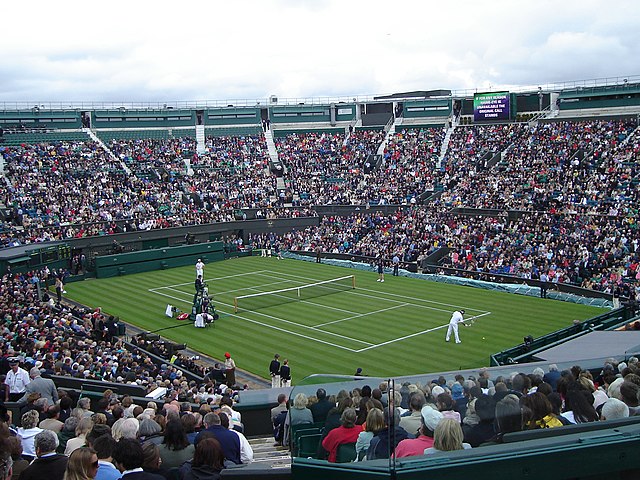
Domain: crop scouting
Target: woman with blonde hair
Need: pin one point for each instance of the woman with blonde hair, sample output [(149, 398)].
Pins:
[(84, 426), (27, 433), (374, 423), (298, 414), (447, 437), (82, 465)]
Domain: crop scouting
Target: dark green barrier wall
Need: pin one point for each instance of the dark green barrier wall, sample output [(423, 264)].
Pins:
[(606, 454), (232, 116), (300, 113), (123, 118), (427, 108), (345, 112), (40, 118), (148, 260)]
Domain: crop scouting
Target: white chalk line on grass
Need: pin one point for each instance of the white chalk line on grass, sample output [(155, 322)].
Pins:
[(171, 287), (383, 299), (210, 279), (279, 328), (272, 274), (356, 292), (328, 307), (415, 334), (360, 315)]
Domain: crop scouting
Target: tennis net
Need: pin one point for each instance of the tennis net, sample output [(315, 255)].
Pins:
[(256, 301)]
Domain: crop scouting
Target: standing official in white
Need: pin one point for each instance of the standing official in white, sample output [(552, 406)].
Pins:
[(456, 319), (200, 269), (17, 380)]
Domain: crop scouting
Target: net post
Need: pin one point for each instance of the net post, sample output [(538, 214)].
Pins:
[(298, 292), (353, 281), (235, 305)]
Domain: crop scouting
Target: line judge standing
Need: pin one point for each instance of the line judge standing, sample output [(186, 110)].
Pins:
[(456, 319), (274, 370), (200, 268)]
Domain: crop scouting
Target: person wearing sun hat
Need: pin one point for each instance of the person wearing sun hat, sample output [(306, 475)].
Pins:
[(229, 369)]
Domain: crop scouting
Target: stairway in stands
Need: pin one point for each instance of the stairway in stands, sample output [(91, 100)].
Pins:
[(390, 132), (96, 139), (265, 452), (445, 142), (275, 159), (201, 145), (271, 146)]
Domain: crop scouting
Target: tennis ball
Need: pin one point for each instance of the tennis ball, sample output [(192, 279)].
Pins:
[(483, 338)]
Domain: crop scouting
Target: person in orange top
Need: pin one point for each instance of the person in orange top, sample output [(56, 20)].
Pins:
[(347, 432)]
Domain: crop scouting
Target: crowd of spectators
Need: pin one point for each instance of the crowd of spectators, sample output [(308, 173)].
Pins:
[(409, 165), (112, 435), (577, 166), (595, 252), (458, 413), (330, 168), (571, 180), (71, 341), (76, 189)]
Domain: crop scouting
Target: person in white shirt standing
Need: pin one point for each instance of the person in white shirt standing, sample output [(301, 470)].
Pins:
[(200, 268), (17, 380), (456, 318)]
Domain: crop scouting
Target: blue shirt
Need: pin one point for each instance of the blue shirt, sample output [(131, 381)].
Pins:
[(106, 471)]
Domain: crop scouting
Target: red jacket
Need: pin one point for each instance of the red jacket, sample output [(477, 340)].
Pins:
[(337, 437)]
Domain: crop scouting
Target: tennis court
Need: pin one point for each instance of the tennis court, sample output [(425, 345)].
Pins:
[(392, 328), (332, 313)]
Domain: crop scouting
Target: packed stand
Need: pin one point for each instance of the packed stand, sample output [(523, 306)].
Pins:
[(594, 252), (471, 147), (234, 173), (409, 165), (75, 189), (566, 166), (329, 168)]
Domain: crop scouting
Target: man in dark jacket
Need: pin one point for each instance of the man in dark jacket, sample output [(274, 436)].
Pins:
[(274, 370), (229, 441), (129, 457), (380, 447), (321, 409), (484, 431), (48, 464)]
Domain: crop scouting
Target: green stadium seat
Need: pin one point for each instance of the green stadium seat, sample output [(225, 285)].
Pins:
[(346, 453), (308, 445)]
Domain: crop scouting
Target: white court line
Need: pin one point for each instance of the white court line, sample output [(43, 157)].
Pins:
[(316, 327), (209, 280), (361, 315), (280, 320), (328, 307), (386, 293), (414, 334), (356, 292)]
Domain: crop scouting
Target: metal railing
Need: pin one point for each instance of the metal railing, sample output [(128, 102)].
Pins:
[(269, 102)]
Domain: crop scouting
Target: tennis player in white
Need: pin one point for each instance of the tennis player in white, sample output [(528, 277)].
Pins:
[(200, 268), (456, 318)]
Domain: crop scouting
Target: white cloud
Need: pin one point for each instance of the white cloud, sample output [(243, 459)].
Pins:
[(143, 50)]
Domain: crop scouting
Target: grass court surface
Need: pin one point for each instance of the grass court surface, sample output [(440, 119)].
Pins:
[(391, 328)]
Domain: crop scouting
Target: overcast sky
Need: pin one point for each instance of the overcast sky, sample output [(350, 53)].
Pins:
[(139, 50)]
